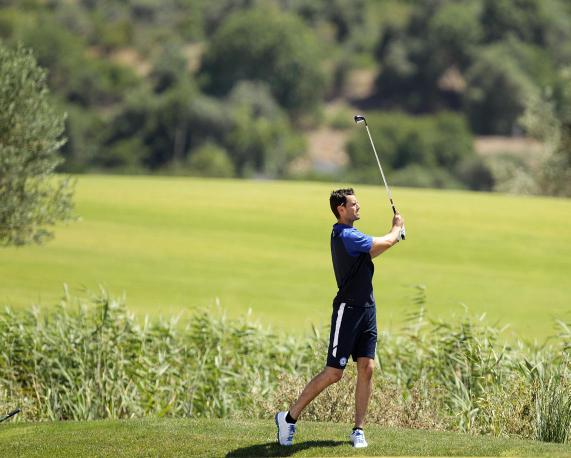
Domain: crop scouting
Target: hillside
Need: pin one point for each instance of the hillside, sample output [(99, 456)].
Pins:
[(246, 89)]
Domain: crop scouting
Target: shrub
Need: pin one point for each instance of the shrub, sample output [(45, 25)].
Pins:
[(124, 155), (402, 140), (210, 160), (475, 174), (512, 174), (419, 176)]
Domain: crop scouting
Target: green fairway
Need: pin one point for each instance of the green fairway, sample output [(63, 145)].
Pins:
[(155, 437), (175, 244)]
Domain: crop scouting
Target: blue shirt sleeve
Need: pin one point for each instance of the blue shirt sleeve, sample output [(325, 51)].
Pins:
[(356, 242)]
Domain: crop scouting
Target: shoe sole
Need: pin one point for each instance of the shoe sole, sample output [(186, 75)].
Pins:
[(360, 446), (278, 427)]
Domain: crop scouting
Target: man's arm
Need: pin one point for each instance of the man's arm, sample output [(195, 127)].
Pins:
[(382, 244)]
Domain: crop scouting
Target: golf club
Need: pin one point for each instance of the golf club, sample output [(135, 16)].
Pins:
[(10, 415), (361, 119)]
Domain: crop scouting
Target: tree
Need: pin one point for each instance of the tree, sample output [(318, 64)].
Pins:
[(496, 91), (423, 64), (72, 72), (150, 131), (522, 18), (548, 118), (212, 161), (270, 46), (31, 198), (261, 140)]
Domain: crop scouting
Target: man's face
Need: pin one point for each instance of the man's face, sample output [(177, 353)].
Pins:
[(350, 211)]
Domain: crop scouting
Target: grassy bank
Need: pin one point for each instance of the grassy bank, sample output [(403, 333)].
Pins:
[(162, 437), (175, 244)]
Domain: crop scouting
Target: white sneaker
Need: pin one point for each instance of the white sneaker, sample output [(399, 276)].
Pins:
[(285, 430), (358, 439)]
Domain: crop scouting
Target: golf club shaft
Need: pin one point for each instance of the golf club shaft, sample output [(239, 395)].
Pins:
[(10, 415), (381, 169)]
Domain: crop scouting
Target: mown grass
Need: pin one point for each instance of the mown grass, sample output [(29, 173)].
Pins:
[(219, 438), (175, 244)]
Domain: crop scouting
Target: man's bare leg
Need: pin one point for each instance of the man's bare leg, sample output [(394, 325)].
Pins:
[(363, 389), (317, 384)]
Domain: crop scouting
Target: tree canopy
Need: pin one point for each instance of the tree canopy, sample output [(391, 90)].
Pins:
[(270, 46), (148, 85)]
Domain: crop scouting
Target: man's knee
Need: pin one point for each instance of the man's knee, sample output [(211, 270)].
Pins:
[(365, 367), (333, 374)]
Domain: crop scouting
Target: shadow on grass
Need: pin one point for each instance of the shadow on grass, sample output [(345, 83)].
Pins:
[(274, 449)]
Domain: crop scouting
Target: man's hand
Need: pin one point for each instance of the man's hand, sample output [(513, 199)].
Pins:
[(398, 220), (381, 244)]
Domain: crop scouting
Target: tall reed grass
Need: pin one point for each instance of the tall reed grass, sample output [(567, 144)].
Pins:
[(90, 359)]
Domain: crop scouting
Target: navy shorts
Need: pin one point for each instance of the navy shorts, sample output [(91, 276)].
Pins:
[(353, 333)]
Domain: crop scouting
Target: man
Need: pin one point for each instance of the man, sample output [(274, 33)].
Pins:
[(353, 322)]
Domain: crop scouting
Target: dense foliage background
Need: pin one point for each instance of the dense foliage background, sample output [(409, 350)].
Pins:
[(235, 87)]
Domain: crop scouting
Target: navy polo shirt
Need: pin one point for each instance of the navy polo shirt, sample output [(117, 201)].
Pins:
[(353, 266)]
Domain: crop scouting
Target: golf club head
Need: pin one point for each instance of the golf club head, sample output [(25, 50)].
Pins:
[(359, 119)]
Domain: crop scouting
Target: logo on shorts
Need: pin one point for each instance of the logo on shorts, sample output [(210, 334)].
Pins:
[(343, 361)]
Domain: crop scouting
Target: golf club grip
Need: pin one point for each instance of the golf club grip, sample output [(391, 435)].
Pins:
[(402, 235)]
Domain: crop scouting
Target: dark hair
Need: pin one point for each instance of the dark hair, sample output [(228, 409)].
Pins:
[(339, 197)]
